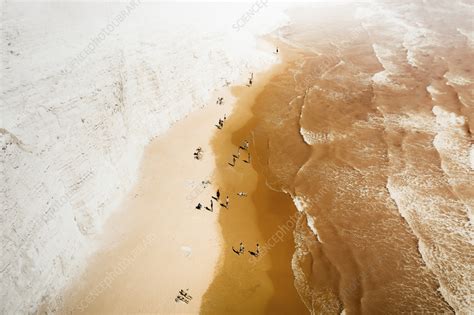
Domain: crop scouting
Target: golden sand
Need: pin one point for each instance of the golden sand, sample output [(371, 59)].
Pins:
[(158, 243)]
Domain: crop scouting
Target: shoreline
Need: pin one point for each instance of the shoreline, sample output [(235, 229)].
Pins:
[(245, 283)]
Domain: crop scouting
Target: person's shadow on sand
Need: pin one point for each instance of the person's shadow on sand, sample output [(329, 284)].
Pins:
[(253, 253)]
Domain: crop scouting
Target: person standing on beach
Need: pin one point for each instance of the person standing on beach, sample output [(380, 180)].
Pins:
[(233, 161), (237, 156), (182, 299), (199, 206), (212, 205), (255, 253), (198, 153), (227, 201), (245, 145), (251, 79), (248, 158), (218, 194), (242, 248), (185, 294)]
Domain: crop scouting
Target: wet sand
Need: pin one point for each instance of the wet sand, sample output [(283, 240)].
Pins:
[(245, 284)]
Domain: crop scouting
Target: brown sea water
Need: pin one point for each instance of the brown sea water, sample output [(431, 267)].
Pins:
[(385, 95), (368, 126)]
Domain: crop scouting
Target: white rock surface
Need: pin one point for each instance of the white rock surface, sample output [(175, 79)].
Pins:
[(84, 87)]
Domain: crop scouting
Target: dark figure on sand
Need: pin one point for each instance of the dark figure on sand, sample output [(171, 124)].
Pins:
[(217, 196), (237, 156), (245, 145), (198, 153), (220, 124), (241, 249), (250, 80), (248, 159), (183, 296), (226, 205), (233, 162), (256, 252), (199, 206)]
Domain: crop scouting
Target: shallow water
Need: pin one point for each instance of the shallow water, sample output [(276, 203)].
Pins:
[(369, 128)]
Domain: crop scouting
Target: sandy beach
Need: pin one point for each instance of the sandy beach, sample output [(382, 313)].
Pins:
[(246, 284), (158, 242), (183, 243)]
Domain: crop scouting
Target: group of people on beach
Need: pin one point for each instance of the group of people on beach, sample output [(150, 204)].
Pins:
[(183, 296), (244, 147), (224, 204), (242, 250), (198, 153), (221, 122), (235, 157)]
